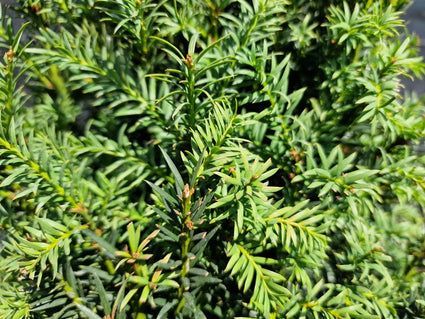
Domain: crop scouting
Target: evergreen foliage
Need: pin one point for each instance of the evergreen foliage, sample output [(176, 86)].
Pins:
[(210, 159)]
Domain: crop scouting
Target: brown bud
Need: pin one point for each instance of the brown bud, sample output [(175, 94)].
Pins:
[(79, 208), (9, 55), (188, 61), (186, 191), (294, 154), (35, 8), (189, 224)]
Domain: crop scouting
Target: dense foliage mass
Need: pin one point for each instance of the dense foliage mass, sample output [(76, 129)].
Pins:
[(210, 159)]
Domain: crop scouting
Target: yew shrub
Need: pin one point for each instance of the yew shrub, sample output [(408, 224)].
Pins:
[(210, 159)]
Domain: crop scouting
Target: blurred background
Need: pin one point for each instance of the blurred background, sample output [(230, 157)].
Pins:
[(415, 16)]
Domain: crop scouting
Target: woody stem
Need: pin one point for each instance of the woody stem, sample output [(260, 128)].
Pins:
[(187, 226)]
